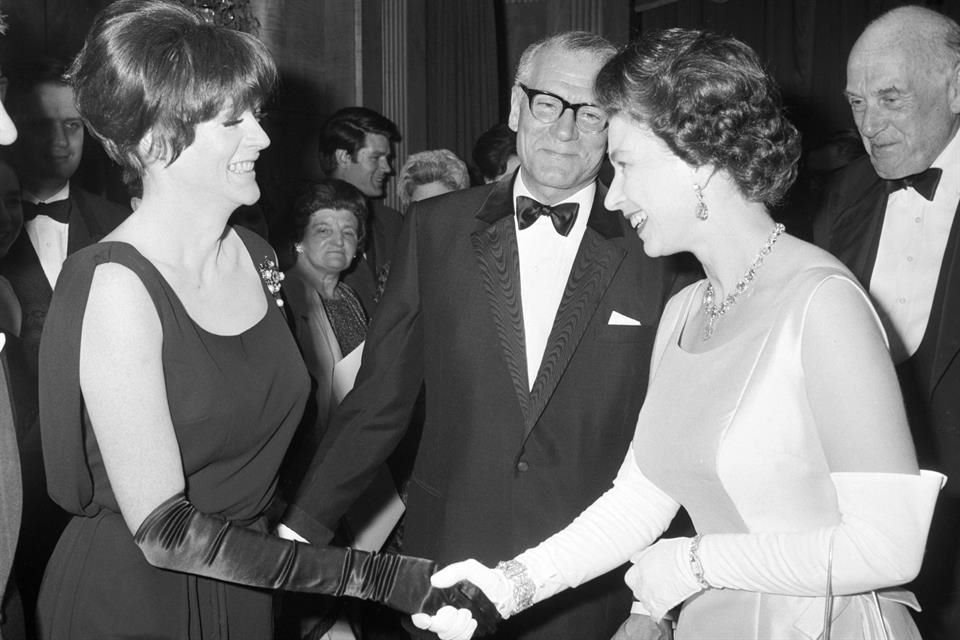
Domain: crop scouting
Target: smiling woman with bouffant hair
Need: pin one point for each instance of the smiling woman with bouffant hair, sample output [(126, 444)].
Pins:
[(170, 386)]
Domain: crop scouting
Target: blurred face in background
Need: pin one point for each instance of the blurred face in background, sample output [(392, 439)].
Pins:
[(51, 138), (428, 190)]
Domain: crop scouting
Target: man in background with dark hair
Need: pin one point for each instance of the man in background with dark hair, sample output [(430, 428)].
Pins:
[(356, 145), (495, 153), (59, 218)]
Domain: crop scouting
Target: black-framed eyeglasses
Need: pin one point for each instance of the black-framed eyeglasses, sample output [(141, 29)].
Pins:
[(548, 107)]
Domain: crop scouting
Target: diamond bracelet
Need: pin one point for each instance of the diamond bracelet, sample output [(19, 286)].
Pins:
[(523, 587)]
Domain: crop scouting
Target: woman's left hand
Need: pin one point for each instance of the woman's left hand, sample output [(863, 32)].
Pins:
[(448, 623), (662, 576)]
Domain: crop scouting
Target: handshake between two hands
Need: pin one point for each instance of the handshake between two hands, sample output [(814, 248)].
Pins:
[(480, 600)]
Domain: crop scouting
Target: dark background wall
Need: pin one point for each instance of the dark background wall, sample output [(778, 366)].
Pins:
[(442, 69)]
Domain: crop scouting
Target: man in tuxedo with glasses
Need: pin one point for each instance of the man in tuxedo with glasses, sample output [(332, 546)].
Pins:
[(527, 312)]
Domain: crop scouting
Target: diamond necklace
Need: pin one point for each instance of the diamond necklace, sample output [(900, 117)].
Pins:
[(715, 311)]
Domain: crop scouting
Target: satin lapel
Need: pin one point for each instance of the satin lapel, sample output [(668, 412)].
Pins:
[(946, 306), (597, 260), (856, 233), (79, 232), (498, 259), (22, 268)]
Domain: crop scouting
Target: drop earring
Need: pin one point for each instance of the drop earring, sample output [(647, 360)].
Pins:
[(298, 248), (702, 211)]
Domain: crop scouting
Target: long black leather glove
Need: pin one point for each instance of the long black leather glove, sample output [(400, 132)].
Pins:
[(176, 536)]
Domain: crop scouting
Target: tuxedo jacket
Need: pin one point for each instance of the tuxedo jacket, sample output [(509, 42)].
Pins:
[(499, 467), (849, 226), (91, 217)]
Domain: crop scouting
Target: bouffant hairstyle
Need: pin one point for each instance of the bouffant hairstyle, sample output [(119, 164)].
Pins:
[(435, 165), (152, 70), (709, 99), (347, 129), (327, 194)]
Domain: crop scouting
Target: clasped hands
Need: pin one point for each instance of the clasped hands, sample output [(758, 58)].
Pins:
[(661, 578)]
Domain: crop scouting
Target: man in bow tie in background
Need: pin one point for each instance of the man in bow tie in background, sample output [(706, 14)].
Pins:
[(45, 157), (527, 311), (892, 218)]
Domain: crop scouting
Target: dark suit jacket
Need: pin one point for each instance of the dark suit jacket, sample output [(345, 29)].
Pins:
[(91, 217), (367, 275), (849, 226), (499, 468)]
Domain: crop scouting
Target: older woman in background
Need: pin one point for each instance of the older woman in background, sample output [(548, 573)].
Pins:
[(328, 319), (797, 469), (431, 173), (170, 386)]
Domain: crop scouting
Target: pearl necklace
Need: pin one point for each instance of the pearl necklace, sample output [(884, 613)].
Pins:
[(715, 311)]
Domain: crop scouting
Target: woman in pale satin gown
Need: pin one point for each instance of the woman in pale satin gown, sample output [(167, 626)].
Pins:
[(773, 414)]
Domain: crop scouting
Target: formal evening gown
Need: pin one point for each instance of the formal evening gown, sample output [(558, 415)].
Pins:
[(729, 434), (235, 401)]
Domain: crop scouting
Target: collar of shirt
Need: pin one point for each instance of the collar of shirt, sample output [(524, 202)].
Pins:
[(62, 194), (584, 198), (948, 190)]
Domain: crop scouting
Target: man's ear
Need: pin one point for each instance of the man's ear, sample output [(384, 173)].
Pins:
[(343, 158), (953, 89), (516, 97)]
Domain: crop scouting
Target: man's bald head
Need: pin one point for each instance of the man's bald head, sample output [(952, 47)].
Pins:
[(904, 89)]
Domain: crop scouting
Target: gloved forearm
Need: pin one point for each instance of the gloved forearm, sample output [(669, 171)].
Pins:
[(176, 536), (628, 517), (878, 543)]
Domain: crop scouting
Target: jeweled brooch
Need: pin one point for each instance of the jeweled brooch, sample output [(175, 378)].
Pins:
[(272, 277)]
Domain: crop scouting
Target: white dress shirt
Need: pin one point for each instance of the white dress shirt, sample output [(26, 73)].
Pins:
[(912, 244), (49, 237), (546, 258)]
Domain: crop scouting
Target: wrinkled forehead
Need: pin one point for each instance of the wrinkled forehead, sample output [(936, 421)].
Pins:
[(569, 74)]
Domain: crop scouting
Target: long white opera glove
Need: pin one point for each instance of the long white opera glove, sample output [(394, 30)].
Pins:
[(879, 543), (627, 518)]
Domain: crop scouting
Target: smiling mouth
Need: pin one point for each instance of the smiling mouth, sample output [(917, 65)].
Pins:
[(241, 167), (637, 220)]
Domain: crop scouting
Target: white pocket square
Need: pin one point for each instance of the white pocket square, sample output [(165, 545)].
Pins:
[(618, 319)]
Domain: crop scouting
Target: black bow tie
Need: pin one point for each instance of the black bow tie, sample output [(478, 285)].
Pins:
[(59, 210), (925, 183), (562, 215)]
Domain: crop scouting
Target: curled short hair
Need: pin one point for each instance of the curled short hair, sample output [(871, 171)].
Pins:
[(327, 194), (709, 99), (155, 67), (493, 149), (347, 129), (582, 42), (437, 165)]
